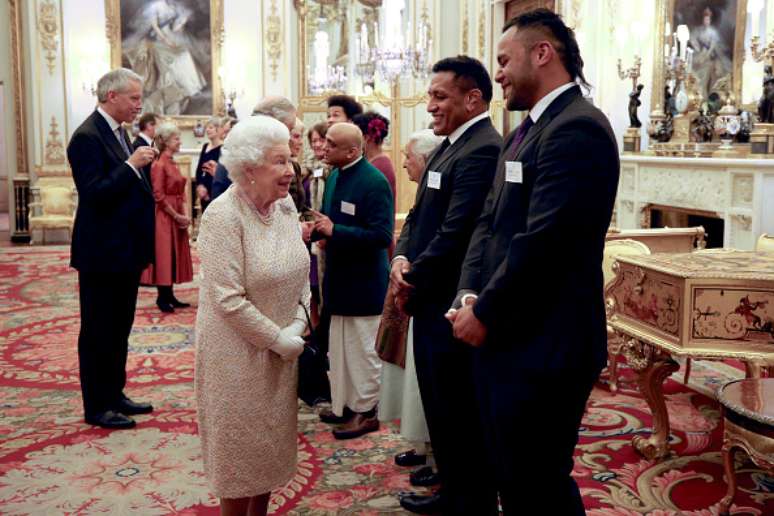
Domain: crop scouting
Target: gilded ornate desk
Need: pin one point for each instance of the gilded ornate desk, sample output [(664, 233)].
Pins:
[(709, 305), (748, 423)]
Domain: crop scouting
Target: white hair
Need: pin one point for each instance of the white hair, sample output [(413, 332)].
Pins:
[(164, 132), (425, 141), (115, 80), (278, 108), (247, 143)]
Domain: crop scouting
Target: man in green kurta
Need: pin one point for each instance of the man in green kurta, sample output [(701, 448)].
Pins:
[(357, 224)]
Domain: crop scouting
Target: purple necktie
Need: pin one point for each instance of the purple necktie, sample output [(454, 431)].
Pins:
[(521, 132)]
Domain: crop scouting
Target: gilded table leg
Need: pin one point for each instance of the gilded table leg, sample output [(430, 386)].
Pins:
[(752, 370), (613, 355), (728, 466), (652, 367)]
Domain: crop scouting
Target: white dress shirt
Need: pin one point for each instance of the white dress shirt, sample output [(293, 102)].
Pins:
[(147, 139), (115, 126)]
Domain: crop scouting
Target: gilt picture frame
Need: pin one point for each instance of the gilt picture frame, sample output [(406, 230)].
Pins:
[(175, 45), (722, 40)]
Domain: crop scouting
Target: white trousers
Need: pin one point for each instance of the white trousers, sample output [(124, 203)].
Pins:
[(355, 366)]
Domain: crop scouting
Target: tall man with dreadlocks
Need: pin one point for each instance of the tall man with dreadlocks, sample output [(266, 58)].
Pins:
[(530, 297)]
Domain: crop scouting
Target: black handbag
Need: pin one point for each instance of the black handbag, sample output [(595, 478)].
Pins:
[(313, 384)]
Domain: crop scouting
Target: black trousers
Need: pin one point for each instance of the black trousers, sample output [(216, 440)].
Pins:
[(445, 376), (531, 420), (108, 302)]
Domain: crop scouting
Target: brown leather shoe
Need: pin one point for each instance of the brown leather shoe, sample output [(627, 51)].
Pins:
[(327, 416), (359, 425)]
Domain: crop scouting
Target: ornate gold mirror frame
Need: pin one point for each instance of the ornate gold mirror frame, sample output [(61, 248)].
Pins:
[(113, 29), (665, 10)]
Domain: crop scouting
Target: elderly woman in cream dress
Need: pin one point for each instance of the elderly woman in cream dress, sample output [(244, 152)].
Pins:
[(399, 395), (254, 281)]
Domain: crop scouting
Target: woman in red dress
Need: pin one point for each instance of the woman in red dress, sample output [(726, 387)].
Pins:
[(173, 254)]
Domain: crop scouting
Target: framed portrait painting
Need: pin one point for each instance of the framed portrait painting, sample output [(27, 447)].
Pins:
[(717, 32), (175, 46)]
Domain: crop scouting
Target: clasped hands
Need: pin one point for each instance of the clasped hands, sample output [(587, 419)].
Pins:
[(289, 345), (466, 326)]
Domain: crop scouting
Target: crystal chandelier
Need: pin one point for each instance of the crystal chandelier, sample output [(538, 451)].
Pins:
[(393, 58), (325, 77)]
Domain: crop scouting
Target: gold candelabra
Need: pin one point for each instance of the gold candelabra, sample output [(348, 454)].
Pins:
[(632, 73), (759, 52)]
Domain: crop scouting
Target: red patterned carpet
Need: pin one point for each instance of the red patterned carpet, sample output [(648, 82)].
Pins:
[(53, 463)]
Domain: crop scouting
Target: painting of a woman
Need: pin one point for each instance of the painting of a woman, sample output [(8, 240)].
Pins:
[(167, 42), (712, 57)]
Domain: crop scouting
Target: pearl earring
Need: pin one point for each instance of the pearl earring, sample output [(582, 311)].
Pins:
[(252, 181)]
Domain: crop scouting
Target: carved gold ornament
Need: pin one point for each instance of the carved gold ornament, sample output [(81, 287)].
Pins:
[(48, 28), (274, 39), (465, 27), (55, 154), (481, 30)]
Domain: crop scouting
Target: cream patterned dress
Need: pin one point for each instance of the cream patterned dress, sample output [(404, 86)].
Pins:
[(254, 271)]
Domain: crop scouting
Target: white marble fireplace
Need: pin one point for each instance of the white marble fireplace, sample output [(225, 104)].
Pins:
[(739, 191)]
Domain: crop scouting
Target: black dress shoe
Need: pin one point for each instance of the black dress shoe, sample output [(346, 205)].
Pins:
[(422, 504), (410, 458), (110, 419), (327, 416), (178, 304), (165, 307), (424, 477), (127, 406)]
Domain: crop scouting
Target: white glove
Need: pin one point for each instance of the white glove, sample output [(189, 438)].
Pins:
[(287, 345), (297, 328)]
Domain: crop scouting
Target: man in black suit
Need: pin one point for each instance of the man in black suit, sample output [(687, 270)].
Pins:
[(424, 277), (147, 132), (112, 244), (531, 284)]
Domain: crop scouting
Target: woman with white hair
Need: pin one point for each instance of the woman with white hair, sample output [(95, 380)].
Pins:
[(173, 254), (399, 395), (252, 300)]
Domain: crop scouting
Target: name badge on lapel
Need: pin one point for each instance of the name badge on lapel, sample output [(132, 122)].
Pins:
[(347, 208), (513, 172), (434, 180), (318, 172)]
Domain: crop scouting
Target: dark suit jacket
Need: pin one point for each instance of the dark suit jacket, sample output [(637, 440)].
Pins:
[(220, 182), (535, 258), (146, 170), (356, 268), (114, 222), (437, 230)]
